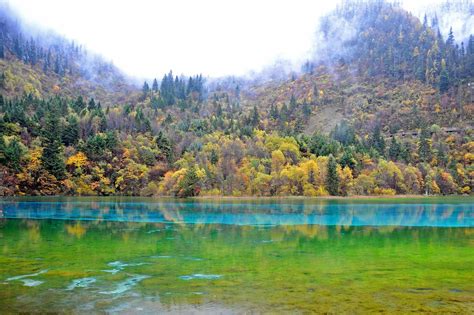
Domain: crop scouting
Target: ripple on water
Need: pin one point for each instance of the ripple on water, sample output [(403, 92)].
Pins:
[(81, 283), (200, 276), (126, 284)]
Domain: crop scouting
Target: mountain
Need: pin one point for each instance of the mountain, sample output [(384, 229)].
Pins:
[(45, 64), (384, 107)]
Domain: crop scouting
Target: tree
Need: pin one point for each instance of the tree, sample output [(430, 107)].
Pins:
[(91, 106), (145, 89), (79, 104), (70, 135), (52, 159), (164, 145), (274, 112), (424, 145), (332, 179), (11, 154), (189, 185), (154, 86), (377, 141), (394, 150), (255, 118), (444, 81)]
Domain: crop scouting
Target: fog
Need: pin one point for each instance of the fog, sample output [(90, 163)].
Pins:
[(217, 38)]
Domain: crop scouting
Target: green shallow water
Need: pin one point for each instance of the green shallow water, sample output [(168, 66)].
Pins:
[(75, 266)]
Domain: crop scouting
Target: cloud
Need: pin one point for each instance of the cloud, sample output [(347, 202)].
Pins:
[(148, 38)]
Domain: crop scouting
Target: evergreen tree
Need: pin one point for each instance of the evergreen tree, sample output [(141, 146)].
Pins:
[(154, 86), (164, 145), (145, 89), (91, 106), (71, 132), (189, 185), (348, 159), (79, 104), (274, 112), (332, 179), (394, 150), (255, 117), (424, 145), (377, 141), (444, 81), (52, 159)]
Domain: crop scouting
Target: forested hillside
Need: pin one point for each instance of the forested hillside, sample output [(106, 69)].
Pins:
[(44, 64), (385, 107)]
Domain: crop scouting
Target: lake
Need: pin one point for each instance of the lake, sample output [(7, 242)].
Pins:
[(140, 255)]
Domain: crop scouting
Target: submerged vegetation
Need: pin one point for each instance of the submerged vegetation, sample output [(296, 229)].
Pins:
[(334, 269), (389, 113)]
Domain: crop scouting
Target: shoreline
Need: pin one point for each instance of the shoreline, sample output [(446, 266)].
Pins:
[(358, 198)]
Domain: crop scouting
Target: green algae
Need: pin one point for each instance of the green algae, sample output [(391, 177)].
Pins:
[(299, 268)]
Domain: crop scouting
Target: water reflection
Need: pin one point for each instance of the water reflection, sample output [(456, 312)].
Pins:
[(108, 265), (261, 214), (132, 231)]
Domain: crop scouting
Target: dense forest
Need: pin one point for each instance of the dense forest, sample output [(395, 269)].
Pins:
[(387, 111)]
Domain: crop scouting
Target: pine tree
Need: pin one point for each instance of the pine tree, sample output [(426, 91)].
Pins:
[(450, 40), (347, 159), (164, 145), (79, 104), (444, 80), (189, 185), (52, 159), (145, 89), (377, 141), (154, 87), (255, 117), (71, 132), (424, 145), (91, 106), (444, 77), (394, 150), (332, 179)]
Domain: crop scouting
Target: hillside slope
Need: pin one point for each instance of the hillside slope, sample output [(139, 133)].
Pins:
[(45, 64), (386, 110)]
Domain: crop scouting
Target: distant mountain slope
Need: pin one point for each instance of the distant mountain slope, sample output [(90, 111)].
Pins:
[(46, 64), (375, 64)]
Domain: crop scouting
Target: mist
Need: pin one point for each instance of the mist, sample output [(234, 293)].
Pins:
[(148, 38)]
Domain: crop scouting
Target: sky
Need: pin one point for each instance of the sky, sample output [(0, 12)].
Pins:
[(148, 38)]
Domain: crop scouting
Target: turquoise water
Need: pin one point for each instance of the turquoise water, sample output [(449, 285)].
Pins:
[(147, 256)]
